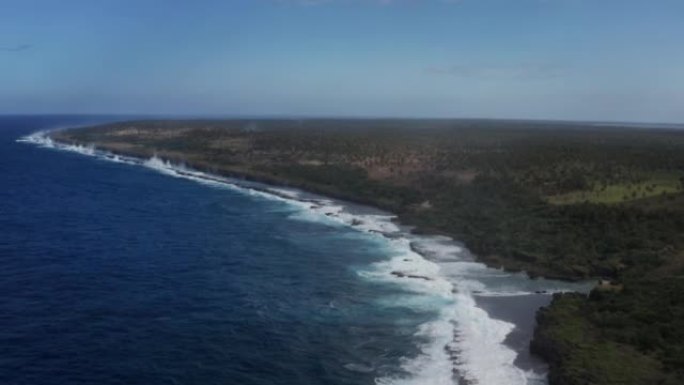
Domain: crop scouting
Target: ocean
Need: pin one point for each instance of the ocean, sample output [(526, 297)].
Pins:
[(137, 271)]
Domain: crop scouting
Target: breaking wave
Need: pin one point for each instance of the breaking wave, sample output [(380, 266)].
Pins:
[(460, 343)]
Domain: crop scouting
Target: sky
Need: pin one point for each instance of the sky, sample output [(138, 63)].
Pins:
[(612, 60)]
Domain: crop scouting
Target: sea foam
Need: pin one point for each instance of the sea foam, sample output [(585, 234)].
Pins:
[(460, 343)]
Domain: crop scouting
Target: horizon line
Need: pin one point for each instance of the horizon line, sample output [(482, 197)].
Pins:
[(216, 116)]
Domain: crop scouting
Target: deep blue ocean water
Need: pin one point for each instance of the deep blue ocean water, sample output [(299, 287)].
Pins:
[(112, 273), (116, 274)]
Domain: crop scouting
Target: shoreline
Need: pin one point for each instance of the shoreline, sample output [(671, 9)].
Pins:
[(265, 184), (253, 180), (491, 187), (262, 185)]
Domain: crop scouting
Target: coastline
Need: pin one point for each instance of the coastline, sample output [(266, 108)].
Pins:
[(273, 187), (269, 184), (492, 187), (252, 178)]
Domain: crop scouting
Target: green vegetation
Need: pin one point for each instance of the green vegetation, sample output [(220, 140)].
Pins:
[(579, 355), (559, 200), (628, 336), (650, 186)]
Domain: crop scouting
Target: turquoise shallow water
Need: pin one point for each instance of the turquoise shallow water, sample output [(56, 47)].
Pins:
[(129, 272)]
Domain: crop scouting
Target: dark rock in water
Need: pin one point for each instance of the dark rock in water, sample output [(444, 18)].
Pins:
[(356, 222), (384, 234), (404, 275), (541, 292), (420, 277), (477, 292), (420, 251), (392, 235)]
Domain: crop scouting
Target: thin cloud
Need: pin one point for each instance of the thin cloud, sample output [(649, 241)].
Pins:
[(488, 72), (16, 48)]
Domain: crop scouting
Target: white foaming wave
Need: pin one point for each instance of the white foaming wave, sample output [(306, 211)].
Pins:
[(42, 139), (180, 170), (372, 223), (484, 359), (39, 138), (434, 365), (288, 193), (164, 166), (331, 212), (462, 341), (461, 337), (321, 211), (439, 248), (415, 276), (116, 158)]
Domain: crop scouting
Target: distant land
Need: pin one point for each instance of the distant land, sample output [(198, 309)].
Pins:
[(561, 200)]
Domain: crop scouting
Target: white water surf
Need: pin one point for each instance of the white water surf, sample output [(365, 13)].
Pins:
[(461, 343)]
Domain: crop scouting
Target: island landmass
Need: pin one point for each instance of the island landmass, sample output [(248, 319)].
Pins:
[(561, 200)]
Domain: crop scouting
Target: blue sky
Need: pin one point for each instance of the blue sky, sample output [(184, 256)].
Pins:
[(550, 59)]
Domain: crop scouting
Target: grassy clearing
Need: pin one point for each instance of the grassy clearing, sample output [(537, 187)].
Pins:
[(654, 185)]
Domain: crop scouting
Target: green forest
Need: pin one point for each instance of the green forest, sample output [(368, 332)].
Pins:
[(561, 200)]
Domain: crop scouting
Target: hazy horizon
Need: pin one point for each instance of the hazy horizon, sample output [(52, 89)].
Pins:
[(161, 116), (576, 60)]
